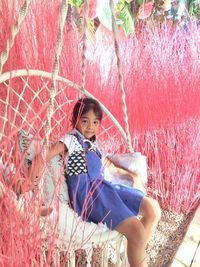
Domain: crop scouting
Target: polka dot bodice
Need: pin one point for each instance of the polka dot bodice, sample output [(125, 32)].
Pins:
[(78, 147), (76, 163)]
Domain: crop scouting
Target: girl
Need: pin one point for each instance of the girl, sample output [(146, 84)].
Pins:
[(94, 198)]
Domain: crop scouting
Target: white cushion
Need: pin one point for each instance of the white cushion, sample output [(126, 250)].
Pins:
[(134, 162), (70, 229)]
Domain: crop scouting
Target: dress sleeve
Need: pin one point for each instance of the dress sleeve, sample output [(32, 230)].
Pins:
[(71, 143)]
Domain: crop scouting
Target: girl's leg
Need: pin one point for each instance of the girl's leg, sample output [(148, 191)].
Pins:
[(134, 231), (151, 213), (139, 232)]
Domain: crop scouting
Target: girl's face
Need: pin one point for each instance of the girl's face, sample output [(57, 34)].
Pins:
[(88, 124)]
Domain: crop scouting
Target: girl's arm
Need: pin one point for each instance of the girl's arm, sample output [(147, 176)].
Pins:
[(33, 174), (21, 185), (39, 162), (58, 148)]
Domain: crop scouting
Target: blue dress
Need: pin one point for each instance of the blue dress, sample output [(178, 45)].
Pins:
[(91, 196)]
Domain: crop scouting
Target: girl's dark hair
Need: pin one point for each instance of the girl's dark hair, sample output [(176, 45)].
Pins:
[(84, 105)]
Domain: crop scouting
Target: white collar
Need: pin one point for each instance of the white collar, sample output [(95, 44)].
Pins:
[(93, 145)]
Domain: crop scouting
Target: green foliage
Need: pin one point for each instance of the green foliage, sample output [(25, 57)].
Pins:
[(91, 30), (126, 13), (76, 3), (140, 2), (124, 17), (194, 8)]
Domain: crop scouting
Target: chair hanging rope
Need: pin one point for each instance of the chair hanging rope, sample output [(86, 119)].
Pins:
[(52, 91), (85, 17), (121, 82), (14, 31), (62, 18)]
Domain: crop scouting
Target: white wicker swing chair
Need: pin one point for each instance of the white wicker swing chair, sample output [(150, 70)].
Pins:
[(72, 234), (36, 105)]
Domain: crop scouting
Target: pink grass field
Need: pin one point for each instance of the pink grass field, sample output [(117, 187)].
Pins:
[(162, 84)]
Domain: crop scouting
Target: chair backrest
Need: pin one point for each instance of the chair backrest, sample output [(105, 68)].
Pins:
[(24, 103)]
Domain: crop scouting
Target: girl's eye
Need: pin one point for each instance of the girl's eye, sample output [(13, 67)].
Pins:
[(96, 122)]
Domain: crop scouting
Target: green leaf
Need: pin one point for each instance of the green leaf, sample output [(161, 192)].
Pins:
[(191, 7), (90, 30), (76, 3), (140, 2), (125, 18)]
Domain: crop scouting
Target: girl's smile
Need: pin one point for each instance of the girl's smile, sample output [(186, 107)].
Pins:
[(88, 124)]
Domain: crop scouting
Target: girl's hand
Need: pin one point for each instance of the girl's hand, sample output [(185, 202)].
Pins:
[(36, 170), (21, 185)]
